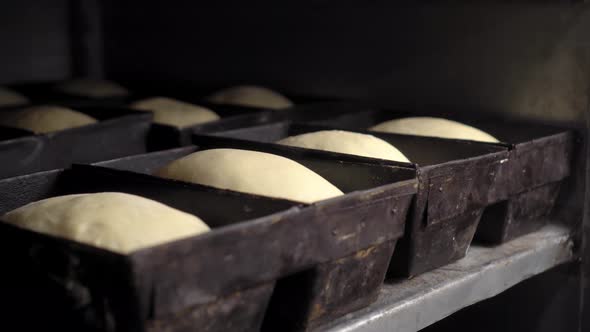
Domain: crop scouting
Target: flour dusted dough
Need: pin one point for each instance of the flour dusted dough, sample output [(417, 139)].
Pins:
[(11, 98), (434, 127), (115, 221), (175, 113), (250, 95), (251, 172), (346, 142), (92, 88), (45, 119)]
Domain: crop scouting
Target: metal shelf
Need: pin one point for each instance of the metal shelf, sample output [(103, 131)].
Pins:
[(410, 305)]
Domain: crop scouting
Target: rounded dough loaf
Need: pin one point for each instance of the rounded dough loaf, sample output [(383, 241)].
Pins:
[(175, 113), (92, 88), (45, 119), (115, 221), (434, 127), (9, 98), (249, 95), (251, 172), (346, 142)]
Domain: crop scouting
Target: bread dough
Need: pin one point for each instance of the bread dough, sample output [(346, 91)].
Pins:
[(434, 127), (251, 172), (115, 221), (45, 119), (175, 113), (92, 88), (253, 96), (9, 98), (346, 142)]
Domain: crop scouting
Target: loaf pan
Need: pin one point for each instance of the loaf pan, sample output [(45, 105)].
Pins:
[(539, 160), (373, 206), (119, 132)]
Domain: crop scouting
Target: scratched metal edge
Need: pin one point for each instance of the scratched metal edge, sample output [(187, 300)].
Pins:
[(417, 303)]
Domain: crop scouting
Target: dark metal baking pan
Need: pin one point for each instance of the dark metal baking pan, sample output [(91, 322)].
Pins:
[(540, 156), (370, 218), (119, 132), (80, 288), (456, 182)]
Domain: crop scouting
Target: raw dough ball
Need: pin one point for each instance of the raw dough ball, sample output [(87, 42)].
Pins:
[(175, 113), (249, 95), (346, 142), (251, 172), (115, 221), (93, 88), (11, 98), (434, 127), (45, 119)]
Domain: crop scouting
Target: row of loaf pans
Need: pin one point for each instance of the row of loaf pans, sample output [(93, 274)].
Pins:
[(120, 132), (268, 264), (525, 190), (164, 136), (458, 182), (514, 186), (159, 136)]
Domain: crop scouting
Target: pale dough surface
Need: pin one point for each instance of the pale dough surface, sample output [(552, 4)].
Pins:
[(45, 119), (9, 97), (346, 142), (92, 88), (434, 127), (115, 221), (175, 113), (251, 172), (250, 95)]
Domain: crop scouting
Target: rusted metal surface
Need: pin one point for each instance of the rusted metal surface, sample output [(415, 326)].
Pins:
[(521, 214), (410, 305), (187, 282), (241, 312), (327, 291), (426, 247), (541, 161)]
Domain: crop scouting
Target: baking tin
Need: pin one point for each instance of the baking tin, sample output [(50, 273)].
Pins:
[(371, 201), (119, 132), (539, 159)]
